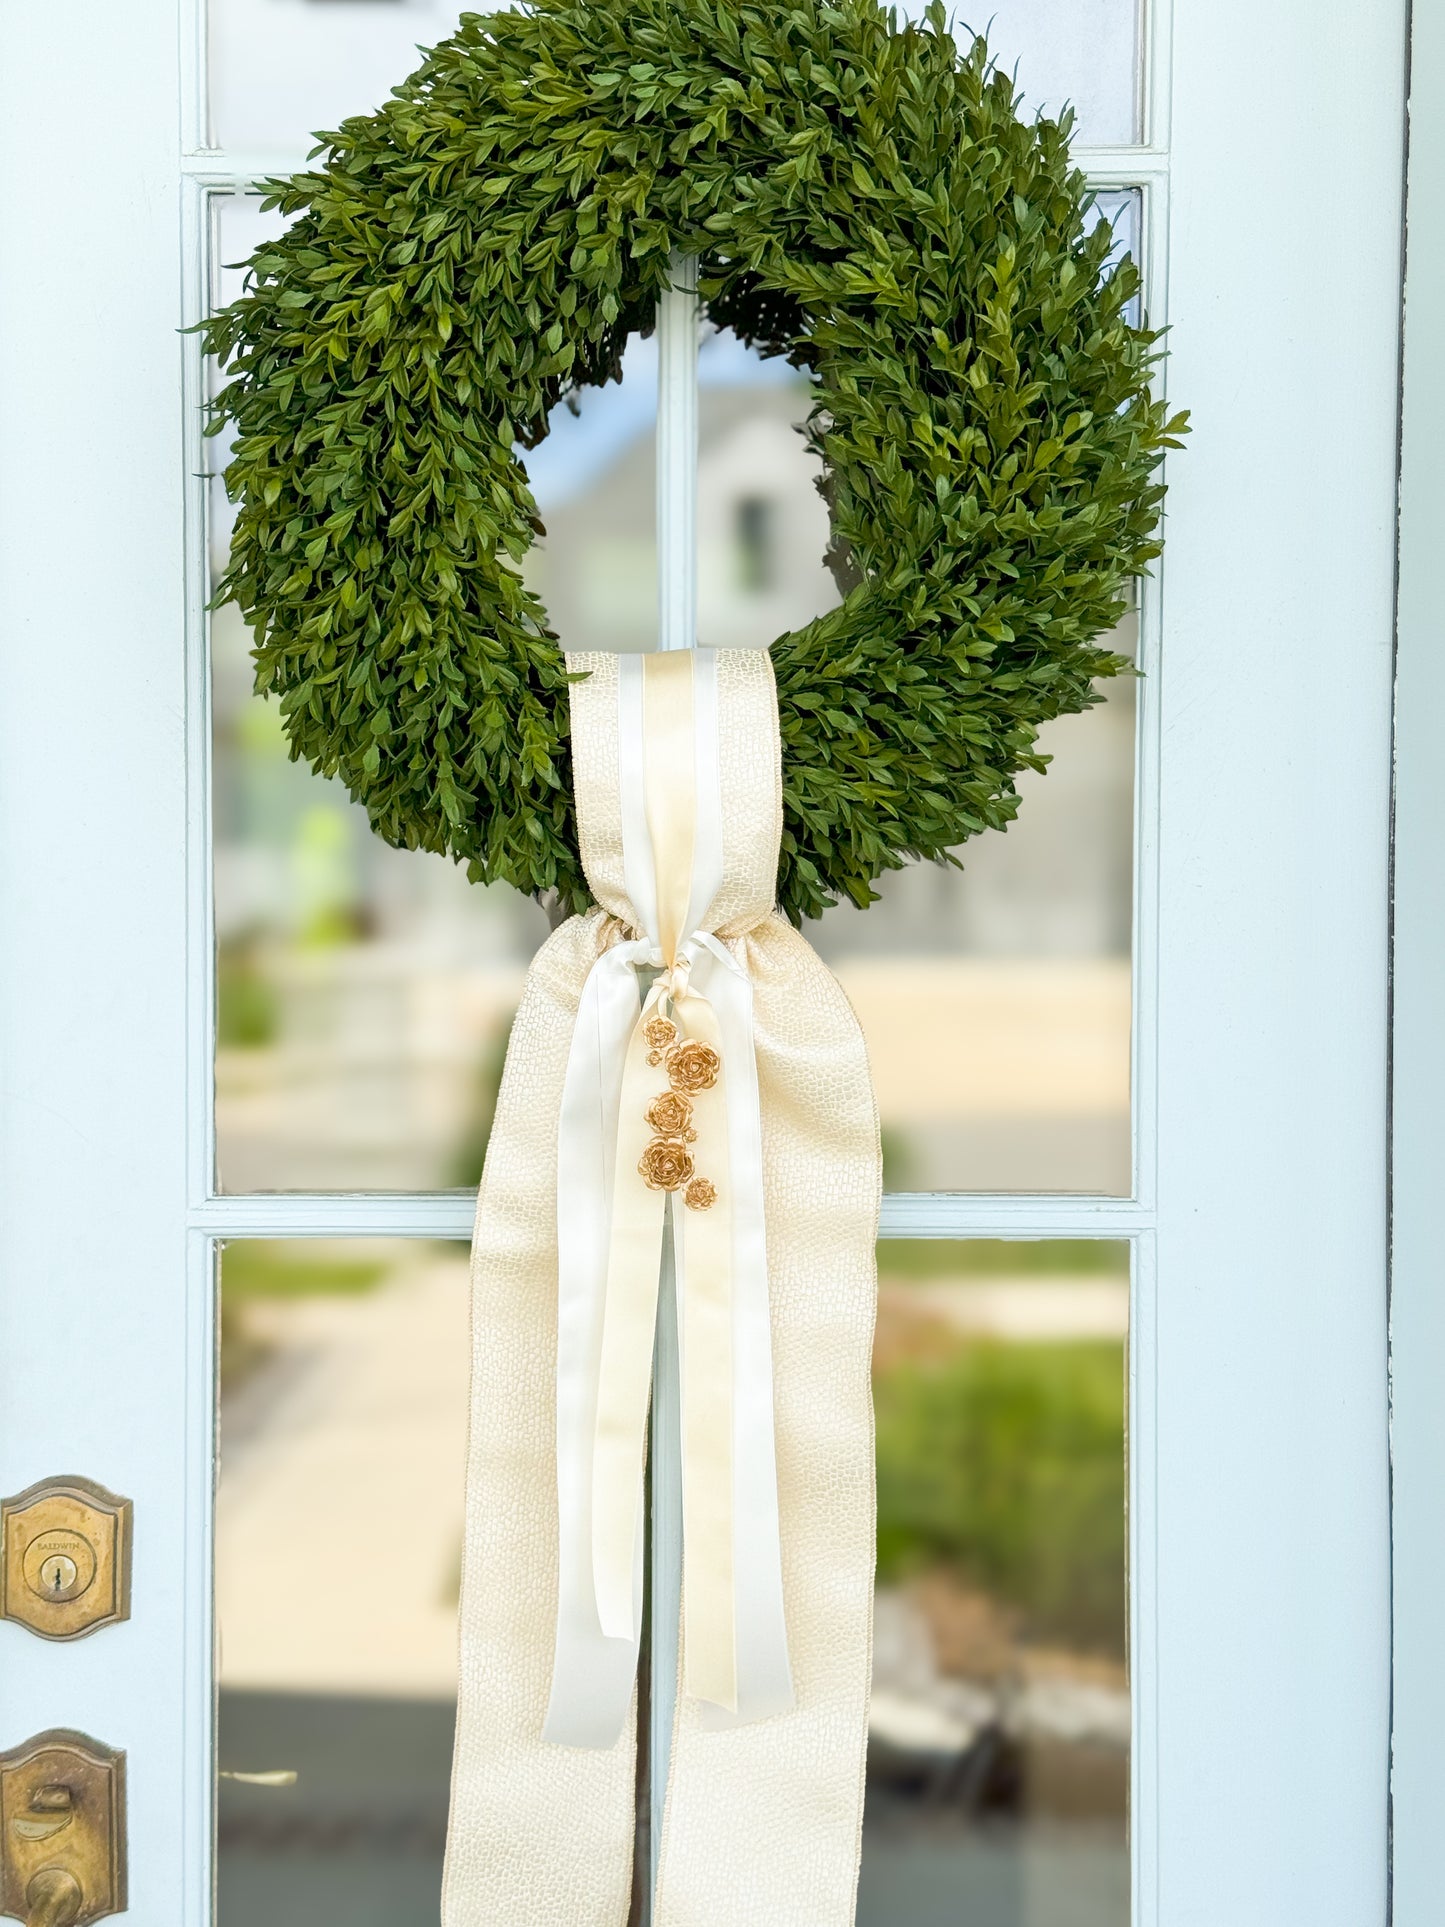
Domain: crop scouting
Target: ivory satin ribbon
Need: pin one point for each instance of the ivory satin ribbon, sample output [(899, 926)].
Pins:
[(776, 1288), (610, 1234)]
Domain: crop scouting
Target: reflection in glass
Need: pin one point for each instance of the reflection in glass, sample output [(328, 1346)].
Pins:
[(762, 527), (999, 1732), (1122, 209), (1086, 53), (281, 69), (996, 998), (998, 1757), (363, 994), (594, 482), (338, 1559)]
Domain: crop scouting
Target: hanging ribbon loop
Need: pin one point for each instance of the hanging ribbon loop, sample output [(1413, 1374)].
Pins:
[(661, 1109)]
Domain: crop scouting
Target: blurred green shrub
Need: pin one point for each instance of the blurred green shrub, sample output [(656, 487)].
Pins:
[(1005, 1465), (290, 1268), (471, 1151), (247, 1011), (913, 1258)]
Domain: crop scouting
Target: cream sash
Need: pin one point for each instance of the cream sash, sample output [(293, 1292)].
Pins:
[(676, 777), (609, 1243)]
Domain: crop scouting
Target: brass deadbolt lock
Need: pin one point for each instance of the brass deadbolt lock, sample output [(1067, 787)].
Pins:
[(62, 1830), (65, 1558)]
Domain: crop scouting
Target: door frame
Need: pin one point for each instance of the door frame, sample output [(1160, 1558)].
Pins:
[(1257, 1402), (1417, 1244)]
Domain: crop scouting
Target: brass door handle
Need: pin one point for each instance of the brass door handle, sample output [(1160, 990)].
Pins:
[(62, 1831), (53, 1899)]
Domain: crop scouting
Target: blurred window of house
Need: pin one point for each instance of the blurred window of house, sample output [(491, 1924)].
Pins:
[(757, 565), (999, 1729), (280, 70)]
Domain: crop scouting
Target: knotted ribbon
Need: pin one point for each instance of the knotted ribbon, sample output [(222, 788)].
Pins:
[(674, 779), (611, 1211)]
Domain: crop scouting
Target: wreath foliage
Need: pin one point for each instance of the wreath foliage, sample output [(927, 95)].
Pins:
[(866, 201)]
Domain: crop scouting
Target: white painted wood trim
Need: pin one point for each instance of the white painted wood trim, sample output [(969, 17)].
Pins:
[(241, 171), (1144, 1685), (1274, 720), (101, 1329), (677, 345), (1417, 1299), (449, 1214), (201, 456), (676, 504)]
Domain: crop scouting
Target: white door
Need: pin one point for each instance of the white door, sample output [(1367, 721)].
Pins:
[(1160, 1002)]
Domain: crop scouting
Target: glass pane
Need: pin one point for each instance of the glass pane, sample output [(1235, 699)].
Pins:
[(998, 1755), (594, 482), (338, 1560), (281, 69), (996, 998), (364, 994), (1122, 210), (1084, 52), (762, 527)]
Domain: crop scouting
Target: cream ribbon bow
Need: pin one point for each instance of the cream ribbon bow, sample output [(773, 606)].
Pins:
[(611, 1222)]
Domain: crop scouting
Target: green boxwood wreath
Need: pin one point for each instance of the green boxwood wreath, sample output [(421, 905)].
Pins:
[(866, 201)]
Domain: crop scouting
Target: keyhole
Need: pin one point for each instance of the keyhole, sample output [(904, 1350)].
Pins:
[(60, 1574)]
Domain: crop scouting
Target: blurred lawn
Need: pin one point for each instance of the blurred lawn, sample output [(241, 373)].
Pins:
[(253, 1269)]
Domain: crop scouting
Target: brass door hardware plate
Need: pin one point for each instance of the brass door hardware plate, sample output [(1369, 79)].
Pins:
[(62, 1830), (65, 1558)]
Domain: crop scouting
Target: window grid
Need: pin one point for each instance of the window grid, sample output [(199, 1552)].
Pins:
[(213, 1218), (211, 174)]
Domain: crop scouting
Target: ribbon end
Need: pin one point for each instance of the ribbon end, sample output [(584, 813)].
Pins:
[(712, 1678)]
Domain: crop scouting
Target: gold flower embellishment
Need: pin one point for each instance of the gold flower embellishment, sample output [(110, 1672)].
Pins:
[(670, 1115), (700, 1195), (665, 1165), (659, 1032), (692, 1066)]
